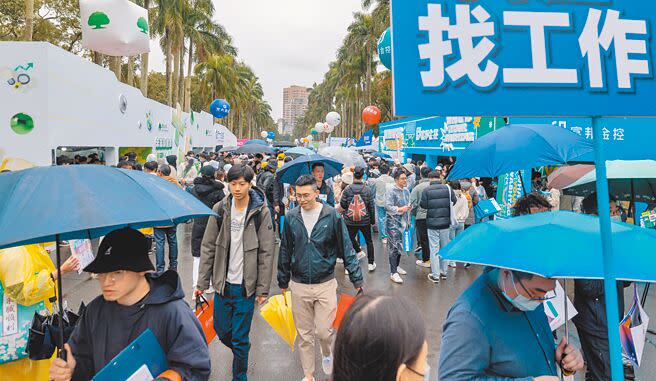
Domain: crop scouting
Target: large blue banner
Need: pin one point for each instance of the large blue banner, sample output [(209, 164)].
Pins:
[(523, 58)]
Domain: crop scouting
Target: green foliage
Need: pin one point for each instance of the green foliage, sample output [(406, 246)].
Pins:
[(98, 19), (142, 24)]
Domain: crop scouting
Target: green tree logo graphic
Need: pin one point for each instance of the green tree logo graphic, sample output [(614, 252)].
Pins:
[(142, 24), (98, 19)]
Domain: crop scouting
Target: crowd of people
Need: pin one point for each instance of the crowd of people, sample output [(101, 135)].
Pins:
[(497, 328)]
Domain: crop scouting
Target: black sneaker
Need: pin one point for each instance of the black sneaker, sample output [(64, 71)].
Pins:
[(433, 278)]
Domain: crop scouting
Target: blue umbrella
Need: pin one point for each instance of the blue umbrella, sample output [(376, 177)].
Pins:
[(299, 151), (381, 155), (303, 166), (248, 149), (256, 141), (85, 201), (517, 147), (556, 245)]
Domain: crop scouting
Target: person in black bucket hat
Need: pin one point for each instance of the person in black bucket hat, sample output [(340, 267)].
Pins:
[(133, 299)]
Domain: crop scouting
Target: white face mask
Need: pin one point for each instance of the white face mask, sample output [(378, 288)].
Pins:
[(521, 302)]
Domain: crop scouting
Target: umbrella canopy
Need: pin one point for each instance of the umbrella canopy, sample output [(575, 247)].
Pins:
[(633, 180), (565, 176), (249, 149), (256, 141), (299, 151), (381, 155), (283, 144), (228, 149), (517, 147), (87, 201), (303, 166), (556, 245)]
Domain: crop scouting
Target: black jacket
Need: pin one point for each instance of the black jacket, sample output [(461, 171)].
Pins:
[(106, 328), (364, 213), (590, 302), (267, 183), (209, 192), (437, 200), (311, 260)]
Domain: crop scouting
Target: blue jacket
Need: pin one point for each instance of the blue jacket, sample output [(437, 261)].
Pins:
[(106, 328), (486, 339), (311, 260)]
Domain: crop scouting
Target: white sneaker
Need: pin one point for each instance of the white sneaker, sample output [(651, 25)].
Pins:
[(401, 271), (346, 272), (361, 255), (421, 263), (372, 267), (340, 260), (327, 365), (396, 278), (210, 290), (452, 264)]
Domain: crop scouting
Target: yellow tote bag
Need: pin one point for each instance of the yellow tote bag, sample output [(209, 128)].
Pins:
[(278, 313)]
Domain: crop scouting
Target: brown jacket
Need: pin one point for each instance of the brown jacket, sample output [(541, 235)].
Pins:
[(172, 180), (258, 247)]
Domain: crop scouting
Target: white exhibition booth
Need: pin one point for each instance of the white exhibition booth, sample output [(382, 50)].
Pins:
[(52, 99)]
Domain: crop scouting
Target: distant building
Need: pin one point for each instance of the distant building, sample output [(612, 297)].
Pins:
[(294, 104), (281, 126)]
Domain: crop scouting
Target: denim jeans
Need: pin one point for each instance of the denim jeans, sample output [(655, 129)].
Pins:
[(456, 230), (380, 216), (438, 239), (162, 235), (233, 315)]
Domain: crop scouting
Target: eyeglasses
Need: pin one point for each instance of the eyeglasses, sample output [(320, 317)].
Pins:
[(115, 276), (531, 295), (307, 196)]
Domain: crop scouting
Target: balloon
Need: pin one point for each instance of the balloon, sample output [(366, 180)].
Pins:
[(309, 138), (220, 108), (314, 132), (385, 48), (271, 135), (333, 118), (371, 115), (327, 128), (296, 141), (318, 127), (263, 134)]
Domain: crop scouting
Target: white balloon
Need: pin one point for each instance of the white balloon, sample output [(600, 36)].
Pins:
[(328, 128), (318, 127), (296, 141), (310, 138), (333, 118), (264, 134)]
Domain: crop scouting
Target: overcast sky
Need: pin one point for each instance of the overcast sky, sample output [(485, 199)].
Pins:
[(285, 42)]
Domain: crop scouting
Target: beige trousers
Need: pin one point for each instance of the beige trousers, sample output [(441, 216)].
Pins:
[(314, 307)]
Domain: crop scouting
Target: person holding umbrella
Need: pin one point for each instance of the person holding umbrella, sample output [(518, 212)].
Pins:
[(133, 299), (590, 302), (325, 191)]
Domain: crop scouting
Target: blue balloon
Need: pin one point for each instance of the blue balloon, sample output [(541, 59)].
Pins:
[(220, 108), (385, 48), (314, 132), (271, 135)]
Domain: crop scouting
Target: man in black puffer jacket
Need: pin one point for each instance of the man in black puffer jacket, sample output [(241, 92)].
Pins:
[(359, 212), (209, 192), (437, 199)]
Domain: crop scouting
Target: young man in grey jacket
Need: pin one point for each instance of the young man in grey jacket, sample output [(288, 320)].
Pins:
[(237, 254)]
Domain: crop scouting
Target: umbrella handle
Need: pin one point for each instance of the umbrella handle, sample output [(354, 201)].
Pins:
[(61, 352)]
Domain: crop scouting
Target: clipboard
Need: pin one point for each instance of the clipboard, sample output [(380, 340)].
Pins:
[(143, 352)]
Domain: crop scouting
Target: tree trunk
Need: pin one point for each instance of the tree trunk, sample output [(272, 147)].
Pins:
[(97, 58), (144, 60), (115, 66), (181, 78), (130, 74), (176, 75), (29, 20), (188, 79), (169, 93)]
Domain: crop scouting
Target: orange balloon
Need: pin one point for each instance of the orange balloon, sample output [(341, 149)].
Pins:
[(371, 115)]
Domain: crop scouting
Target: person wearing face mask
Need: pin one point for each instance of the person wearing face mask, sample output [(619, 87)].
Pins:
[(590, 302), (189, 171), (366, 350), (498, 330)]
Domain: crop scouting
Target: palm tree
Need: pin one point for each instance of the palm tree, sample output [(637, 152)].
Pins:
[(168, 24), (217, 73)]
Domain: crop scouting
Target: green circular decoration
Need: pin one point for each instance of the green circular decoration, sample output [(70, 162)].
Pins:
[(22, 123)]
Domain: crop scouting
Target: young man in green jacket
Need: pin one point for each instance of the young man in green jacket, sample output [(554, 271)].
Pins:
[(313, 235), (237, 254)]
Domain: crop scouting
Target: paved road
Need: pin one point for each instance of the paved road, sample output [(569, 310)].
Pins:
[(272, 360)]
